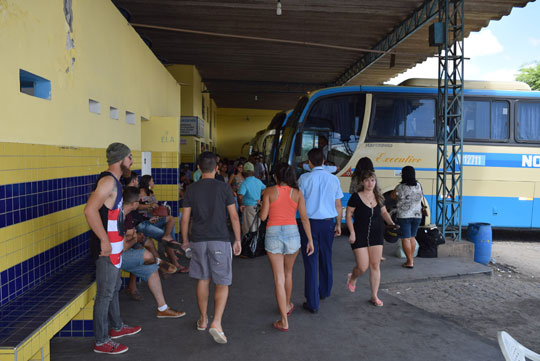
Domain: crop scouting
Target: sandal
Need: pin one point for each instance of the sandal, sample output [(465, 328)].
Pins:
[(167, 267), (219, 336), (405, 265), (290, 309), (350, 286), (135, 296), (200, 327), (377, 303), (277, 327), (182, 269)]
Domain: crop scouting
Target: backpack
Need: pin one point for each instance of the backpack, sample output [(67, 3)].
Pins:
[(429, 238)]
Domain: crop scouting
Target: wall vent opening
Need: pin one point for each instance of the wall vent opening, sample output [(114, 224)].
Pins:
[(94, 106), (34, 85), (130, 117)]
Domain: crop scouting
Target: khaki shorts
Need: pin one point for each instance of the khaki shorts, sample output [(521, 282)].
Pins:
[(211, 260)]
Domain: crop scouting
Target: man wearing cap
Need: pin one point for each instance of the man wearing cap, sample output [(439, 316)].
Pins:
[(249, 196), (104, 216)]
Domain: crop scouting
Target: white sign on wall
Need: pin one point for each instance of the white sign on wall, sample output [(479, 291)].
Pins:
[(146, 163), (191, 126)]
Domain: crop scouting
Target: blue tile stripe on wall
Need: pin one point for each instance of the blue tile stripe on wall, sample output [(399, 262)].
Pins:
[(30, 273), (77, 328), (22, 202), (167, 176)]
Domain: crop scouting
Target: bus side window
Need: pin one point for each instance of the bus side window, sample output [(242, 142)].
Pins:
[(403, 117), (528, 121), (486, 120)]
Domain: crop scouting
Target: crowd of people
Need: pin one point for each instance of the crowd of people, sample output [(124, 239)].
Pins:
[(221, 201)]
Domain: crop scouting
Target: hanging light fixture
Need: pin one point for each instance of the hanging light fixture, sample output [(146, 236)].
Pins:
[(278, 8)]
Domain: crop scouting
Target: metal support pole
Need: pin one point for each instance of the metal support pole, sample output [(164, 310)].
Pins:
[(449, 119)]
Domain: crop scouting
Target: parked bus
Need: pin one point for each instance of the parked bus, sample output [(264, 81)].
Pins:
[(265, 140), (278, 126), (395, 127)]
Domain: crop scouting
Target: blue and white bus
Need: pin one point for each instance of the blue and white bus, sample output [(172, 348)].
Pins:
[(395, 127)]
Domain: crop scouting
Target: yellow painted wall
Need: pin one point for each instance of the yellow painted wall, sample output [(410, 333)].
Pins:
[(160, 134), (213, 122), (192, 86), (109, 64), (193, 93), (236, 126), (188, 152), (59, 140)]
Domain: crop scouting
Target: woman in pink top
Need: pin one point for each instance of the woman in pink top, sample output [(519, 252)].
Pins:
[(282, 240)]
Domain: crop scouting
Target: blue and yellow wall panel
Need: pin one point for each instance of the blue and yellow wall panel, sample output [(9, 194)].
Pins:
[(42, 223), (52, 149)]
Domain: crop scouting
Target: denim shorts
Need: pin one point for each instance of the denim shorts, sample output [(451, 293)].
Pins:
[(408, 227), (154, 230), (282, 239), (133, 262)]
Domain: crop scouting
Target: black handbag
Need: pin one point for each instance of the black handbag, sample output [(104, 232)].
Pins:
[(429, 238), (253, 241)]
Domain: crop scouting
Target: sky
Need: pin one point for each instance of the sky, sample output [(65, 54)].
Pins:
[(497, 52)]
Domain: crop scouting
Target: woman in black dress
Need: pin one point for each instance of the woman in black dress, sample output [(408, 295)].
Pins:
[(367, 232)]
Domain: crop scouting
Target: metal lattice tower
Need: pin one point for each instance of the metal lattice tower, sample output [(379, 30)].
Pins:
[(449, 116)]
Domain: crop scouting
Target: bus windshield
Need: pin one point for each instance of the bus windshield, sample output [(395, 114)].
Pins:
[(333, 124), (289, 131)]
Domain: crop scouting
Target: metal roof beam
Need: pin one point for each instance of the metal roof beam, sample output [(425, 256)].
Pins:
[(421, 16)]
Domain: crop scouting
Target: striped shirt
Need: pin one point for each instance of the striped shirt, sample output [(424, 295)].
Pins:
[(113, 222)]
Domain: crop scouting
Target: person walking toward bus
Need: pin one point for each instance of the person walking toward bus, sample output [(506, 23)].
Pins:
[(207, 203), (282, 241), (323, 194), (409, 196), (367, 233)]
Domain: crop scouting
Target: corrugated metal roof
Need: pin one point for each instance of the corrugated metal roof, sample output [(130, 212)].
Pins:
[(259, 62)]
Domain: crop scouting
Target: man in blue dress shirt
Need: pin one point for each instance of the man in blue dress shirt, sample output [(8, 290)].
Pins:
[(323, 194)]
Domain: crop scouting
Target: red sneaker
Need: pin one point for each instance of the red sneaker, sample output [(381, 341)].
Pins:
[(125, 331), (110, 347)]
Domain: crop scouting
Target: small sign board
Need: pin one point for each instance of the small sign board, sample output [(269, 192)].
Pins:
[(191, 126)]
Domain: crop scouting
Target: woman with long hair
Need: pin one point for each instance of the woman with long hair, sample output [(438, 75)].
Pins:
[(236, 179), (409, 196), (363, 164), (282, 241), (367, 232)]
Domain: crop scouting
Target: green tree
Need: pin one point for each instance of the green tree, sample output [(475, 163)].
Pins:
[(531, 76)]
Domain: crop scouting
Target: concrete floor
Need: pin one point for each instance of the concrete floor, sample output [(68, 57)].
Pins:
[(347, 326)]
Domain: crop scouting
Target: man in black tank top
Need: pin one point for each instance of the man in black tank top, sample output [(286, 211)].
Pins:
[(104, 216)]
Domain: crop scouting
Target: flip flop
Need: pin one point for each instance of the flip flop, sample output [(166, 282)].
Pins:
[(405, 265), (136, 296), (219, 336), (290, 311), (182, 269), (199, 327), (350, 286), (377, 303), (277, 327)]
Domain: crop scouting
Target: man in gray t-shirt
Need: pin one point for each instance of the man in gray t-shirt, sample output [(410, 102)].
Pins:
[(207, 203)]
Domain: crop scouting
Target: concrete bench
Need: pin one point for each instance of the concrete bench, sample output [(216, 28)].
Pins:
[(29, 321)]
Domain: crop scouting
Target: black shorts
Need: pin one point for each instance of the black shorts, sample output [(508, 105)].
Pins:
[(363, 243)]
